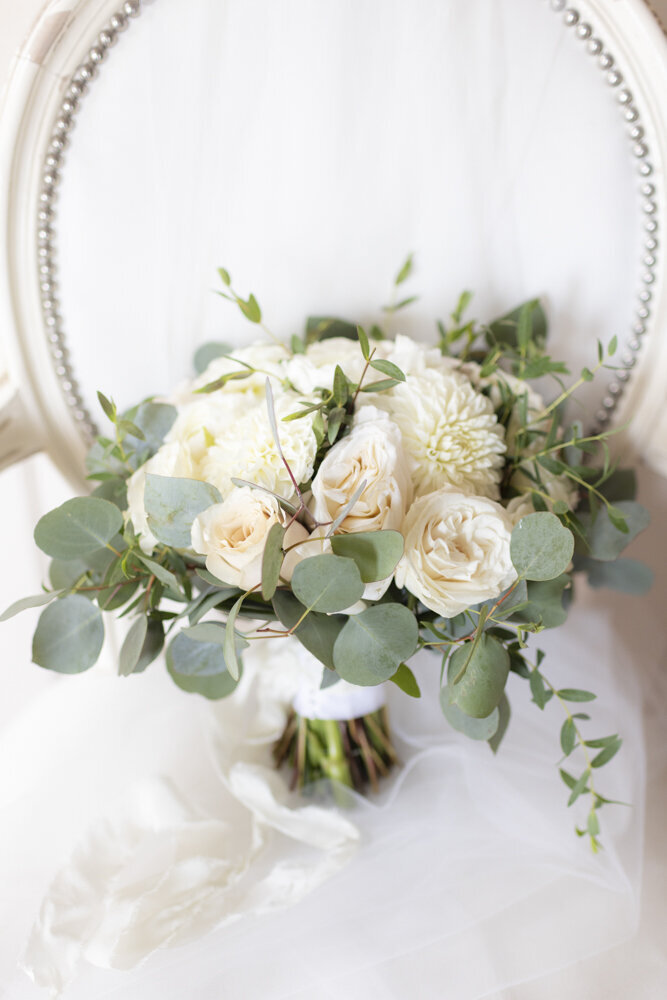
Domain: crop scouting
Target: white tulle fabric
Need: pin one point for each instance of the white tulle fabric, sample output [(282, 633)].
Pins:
[(307, 147), (194, 841)]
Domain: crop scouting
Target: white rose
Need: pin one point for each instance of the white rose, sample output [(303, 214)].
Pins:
[(172, 459), (457, 551), (372, 452), (450, 430), (232, 536)]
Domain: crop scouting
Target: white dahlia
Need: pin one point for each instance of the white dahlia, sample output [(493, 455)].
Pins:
[(450, 431)]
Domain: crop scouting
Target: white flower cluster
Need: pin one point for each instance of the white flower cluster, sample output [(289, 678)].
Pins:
[(430, 452)]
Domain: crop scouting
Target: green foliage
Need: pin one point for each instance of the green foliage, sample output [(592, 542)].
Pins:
[(78, 527), (272, 560), (69, 636), (541, 548), (316, 632), (327, 583), (372, 644), (406, 681), (38, 601), (172, 504), (477, 674), (474, 728), (199, 668), (376, 553), (611, 529), (627, 575), (209, 352)]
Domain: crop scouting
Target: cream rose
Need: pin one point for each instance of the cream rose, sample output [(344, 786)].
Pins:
[(171, 459), (457, 551), (372, 452), (232, 536)]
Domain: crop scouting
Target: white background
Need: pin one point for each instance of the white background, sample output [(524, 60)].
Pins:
[(636, 969)]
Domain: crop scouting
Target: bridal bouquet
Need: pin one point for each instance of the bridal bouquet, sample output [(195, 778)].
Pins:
[(363, 498)]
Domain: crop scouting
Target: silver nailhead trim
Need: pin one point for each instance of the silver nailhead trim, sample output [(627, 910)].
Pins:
[(57, 143)]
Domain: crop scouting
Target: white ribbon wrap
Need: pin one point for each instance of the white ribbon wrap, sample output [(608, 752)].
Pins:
[(340, 701)]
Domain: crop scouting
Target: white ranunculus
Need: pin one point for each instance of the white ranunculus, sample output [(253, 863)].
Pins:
[(232, 536), (266, 359), (246, 449), (450, 431), (414, 358), (316, 367), (172, 459), (207, 418), (457, 551)]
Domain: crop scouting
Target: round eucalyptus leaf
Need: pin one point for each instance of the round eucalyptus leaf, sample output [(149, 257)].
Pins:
[(78, 527), (376, 553), (199, 668), (541, 548), (327, 583), (477, 674), (63, 574), (69, 635), (209, 352), (172, 503), (476, 729), (605, 539), (372, 645)]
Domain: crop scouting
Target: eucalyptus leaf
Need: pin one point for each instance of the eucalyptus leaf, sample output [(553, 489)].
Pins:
[(64, 573), (152, 647), (626, 575), (476, 675), (132, 646), (154, 420), (38, 601), (272, 560), (327, 583), (541, 548), (372, 645), (476, 729), (317, 632), (229, 642), (172, 504), (605, 540), (161, 573), (544, 602), (114, 490), (211, 632), (209, 352), (69, 635), (376, 553), (505, 329), (78, 527), (326, 327), (199, 668), (504, 714)]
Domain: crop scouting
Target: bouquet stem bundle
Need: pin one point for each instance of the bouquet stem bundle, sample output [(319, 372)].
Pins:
[(355, 753)]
